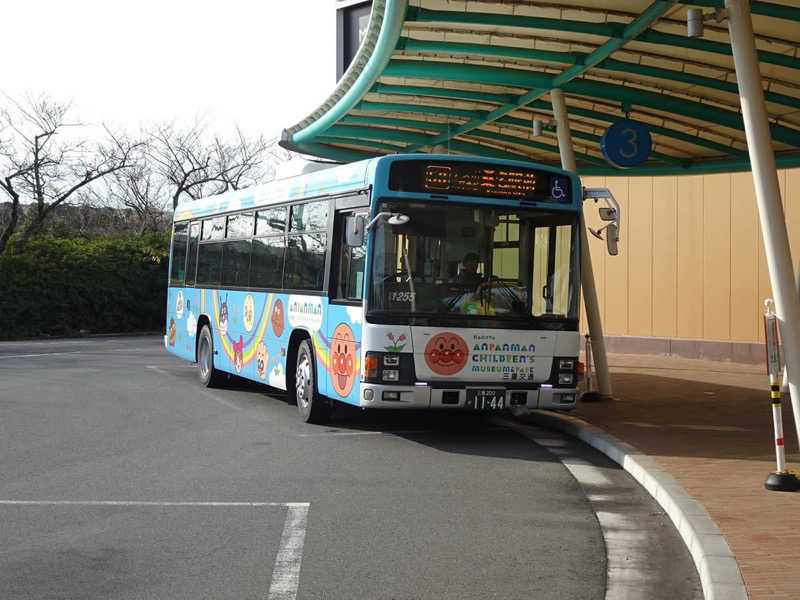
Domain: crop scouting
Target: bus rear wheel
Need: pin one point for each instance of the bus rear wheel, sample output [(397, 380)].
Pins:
[(312, 407), (209, 376)]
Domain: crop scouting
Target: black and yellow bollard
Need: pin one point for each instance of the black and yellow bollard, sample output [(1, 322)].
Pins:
[(782, 480)]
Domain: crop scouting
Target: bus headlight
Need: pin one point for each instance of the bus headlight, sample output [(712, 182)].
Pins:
[(389, 367), (566, 379)]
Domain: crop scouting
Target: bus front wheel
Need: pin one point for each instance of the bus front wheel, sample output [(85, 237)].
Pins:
[(209, 376), (312, 408)]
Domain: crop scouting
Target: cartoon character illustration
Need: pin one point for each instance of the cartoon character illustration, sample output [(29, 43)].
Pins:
[(191, 320), (277, 318), (171, 331), (179, 305), (446, 353), (248, 313), (238, 354), (261, 360), (343, 359), (223, 316)]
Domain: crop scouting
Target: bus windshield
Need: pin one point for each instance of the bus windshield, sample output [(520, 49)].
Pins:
[(475, 265)]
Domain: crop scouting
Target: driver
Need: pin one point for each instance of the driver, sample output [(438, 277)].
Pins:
[(469, 273)]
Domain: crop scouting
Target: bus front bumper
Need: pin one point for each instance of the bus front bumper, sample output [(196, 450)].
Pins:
[(420, 396)]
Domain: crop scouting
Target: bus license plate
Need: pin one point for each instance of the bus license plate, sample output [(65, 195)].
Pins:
[(486, 399)]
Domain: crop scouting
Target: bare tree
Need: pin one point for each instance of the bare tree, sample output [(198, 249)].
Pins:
[(141, 189), (195, 168), (47, 159)]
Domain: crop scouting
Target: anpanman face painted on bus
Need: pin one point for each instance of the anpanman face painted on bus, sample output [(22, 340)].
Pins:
[(277, 318), (343, 359), (446, 353)]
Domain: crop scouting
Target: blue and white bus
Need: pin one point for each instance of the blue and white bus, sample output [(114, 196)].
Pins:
[(419, 281)]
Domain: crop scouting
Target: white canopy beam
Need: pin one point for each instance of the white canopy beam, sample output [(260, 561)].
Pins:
[(587, 273), (765, 177)]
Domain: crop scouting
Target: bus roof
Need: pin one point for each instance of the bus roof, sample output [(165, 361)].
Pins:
[(336, 179), (339, 178)]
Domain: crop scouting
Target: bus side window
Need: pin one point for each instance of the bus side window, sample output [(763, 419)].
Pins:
[(178, 263), (191, 260), (350, 269)]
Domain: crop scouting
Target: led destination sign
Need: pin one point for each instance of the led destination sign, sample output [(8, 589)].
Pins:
[(478, 179)]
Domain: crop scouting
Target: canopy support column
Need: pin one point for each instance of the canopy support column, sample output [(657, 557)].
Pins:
[(587, 273), (765, 177)]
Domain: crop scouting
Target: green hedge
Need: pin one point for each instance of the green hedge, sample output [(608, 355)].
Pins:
[(58, 286)]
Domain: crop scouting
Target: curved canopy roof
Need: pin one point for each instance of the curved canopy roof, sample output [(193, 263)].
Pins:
[(469, 77)]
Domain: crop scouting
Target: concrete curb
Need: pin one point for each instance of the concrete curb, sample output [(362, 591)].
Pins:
[(716, 565)]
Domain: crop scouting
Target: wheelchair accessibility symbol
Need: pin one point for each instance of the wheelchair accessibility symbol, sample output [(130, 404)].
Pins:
[(557, 189)]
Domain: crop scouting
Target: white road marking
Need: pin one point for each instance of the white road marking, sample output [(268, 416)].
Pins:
[(286, 573), (627, 576), (290, 505), (65, 352), (682, 426), (203, 392), (37, 355), (385, 432)]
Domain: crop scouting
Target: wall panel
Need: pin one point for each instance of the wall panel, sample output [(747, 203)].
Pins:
[(665, 256), (691, 261), (716, 256), (640, 256), (690, 290), (616, 307), (744, 259)]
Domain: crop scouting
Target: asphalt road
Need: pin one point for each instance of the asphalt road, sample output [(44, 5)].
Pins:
[(122, 478)]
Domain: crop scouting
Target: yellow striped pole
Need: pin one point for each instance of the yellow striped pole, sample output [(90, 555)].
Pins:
[(781, 480)]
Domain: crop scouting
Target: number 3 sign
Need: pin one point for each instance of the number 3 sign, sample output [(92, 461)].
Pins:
[(626, 144)]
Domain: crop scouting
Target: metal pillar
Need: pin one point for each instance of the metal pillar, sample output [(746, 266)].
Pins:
[(587, 273), (785, 380), (765, 176)]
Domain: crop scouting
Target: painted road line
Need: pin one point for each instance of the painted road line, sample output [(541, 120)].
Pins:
[(626, 541), (389, 432), (693, 427), (286, 573), (40, 354), (190, 503), (202, 392)]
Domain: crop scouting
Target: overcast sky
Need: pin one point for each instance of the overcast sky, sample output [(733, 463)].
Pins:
[(262, 64)]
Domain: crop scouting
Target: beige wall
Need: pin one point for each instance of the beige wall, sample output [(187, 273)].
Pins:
[(691, 262)]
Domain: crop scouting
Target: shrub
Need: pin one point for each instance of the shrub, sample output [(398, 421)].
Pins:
[(61, 286)]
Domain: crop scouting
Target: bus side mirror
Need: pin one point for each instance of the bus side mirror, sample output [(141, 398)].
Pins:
[(354, 230), (612, 237), (607, 214)]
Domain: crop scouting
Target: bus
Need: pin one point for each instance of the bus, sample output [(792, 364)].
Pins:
[(403, 281)]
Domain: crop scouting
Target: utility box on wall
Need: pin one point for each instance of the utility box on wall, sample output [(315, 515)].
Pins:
[(352, 19)]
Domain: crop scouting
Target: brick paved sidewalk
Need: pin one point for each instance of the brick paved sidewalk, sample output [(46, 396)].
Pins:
[(710, 425)]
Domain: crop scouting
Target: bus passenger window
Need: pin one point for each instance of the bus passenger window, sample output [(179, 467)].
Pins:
[(305, 261), (236, 263), (178, 263), (266, 262), (214, 229), (271, 220), (240, 226), (208, 263), (191, 260), (309, 216)]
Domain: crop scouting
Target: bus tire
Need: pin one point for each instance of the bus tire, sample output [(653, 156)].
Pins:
[(312, 407), (209, 376)]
